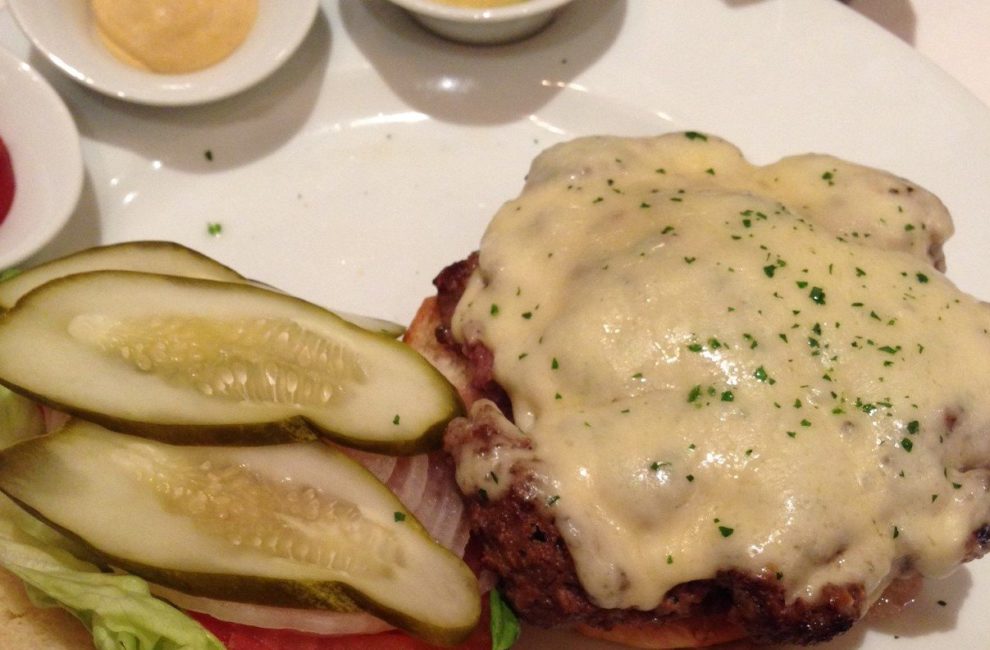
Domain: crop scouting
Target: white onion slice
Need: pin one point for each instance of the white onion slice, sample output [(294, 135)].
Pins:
[(410, 480), (425, 484), (278, 618), (380, 465), (53, 419)]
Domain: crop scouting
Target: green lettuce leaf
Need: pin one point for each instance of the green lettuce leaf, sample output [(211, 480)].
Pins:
[(119, 610), (504, 625)]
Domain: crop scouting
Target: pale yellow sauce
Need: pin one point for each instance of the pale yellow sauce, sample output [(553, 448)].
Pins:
[(478, 4), (173, 36), (726, 366)]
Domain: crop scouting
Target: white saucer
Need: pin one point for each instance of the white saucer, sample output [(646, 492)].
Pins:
[(479, 26), (64, 32), (43, 142)]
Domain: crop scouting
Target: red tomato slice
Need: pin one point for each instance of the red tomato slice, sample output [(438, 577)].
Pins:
[(244, 637)]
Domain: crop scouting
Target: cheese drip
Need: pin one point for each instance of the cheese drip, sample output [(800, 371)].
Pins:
[(727, 366)]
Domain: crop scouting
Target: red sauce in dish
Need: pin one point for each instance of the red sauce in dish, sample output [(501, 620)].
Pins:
[(6, 181)]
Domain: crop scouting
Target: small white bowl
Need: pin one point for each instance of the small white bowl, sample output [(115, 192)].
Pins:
[(64, 31), (43, 142), (490, 26)]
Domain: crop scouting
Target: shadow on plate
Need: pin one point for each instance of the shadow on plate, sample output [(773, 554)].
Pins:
[(81, 231), (936, 609), (896, 16), (210, 137), (480, 85)]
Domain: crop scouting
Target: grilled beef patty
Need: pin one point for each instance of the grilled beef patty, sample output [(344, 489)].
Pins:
[(523, 547)]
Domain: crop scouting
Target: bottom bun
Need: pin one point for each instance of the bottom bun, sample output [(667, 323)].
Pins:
[(24, 625), (693, 632)]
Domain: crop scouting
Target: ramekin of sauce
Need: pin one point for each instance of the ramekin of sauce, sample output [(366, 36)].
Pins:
[(173, 36), (483, 22)]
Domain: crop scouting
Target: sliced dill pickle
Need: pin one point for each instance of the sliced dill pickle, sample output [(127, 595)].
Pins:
[(297, 525), (148, 256), (164, 257), (193, 361)]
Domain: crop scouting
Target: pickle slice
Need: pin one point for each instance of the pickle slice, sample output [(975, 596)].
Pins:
[(193, 361), (164, 257), (149, 256), (297, 525)]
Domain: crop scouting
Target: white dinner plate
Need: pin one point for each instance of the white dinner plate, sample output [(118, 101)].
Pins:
[(377, 154)]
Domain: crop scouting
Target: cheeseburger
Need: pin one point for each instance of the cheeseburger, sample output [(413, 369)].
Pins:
[(710, 400)]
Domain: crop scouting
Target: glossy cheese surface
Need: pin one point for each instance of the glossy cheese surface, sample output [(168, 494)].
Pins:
[(726, 366)]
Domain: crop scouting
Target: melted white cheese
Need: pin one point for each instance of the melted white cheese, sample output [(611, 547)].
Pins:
[(725, 366)]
